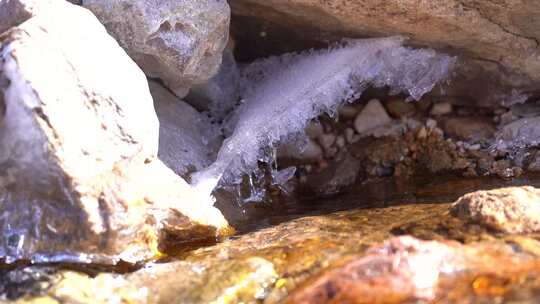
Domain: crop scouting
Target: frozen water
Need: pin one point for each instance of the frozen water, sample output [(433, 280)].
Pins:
[(281, 94), (519, 134)]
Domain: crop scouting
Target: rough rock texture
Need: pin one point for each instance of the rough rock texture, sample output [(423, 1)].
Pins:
[(511, 210), (294, 258), (220, 94), (371, 117), (499, 37), (178, 41), (408, 270), (187, 140), (79, 179)]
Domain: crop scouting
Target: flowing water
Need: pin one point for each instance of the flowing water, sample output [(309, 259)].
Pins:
[(284, 249)]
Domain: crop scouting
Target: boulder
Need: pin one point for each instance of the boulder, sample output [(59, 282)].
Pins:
[(220, 94), (180, 42), (510, 210), (79, 176), (188, 141), (498, 40)]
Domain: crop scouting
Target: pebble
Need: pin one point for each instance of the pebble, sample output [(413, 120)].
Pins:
[(399, 108), (340, 141), (441, 108), (372, 116), (422, 133), (349, 134), (327, 140), (348, 111), (314, 129), (431, 123), (312, 151), (469, 128), (331, 152)]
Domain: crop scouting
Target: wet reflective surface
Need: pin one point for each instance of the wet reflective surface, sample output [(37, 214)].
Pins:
[(384, 243)]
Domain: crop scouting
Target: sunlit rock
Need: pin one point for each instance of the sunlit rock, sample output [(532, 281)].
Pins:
[(178, 41), (406, 269), (188, 141), (80, 180), (511, 210)]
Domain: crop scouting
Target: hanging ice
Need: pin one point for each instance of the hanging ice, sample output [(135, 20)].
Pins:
[(283, 93)]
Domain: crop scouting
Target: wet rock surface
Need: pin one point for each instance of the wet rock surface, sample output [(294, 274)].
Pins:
[(392, 251), (178, 41), (80, 180)]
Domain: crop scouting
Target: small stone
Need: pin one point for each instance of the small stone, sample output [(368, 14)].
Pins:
[(314, 129), (327, 140), (469, 128), (349, 134), (331, 152), (441, 108), (510, 210), (431, 123), (340, 141), (475, 147), (348, 111), (399, 108), (422, 134), (372, 116), (310, 152), (423, 105)]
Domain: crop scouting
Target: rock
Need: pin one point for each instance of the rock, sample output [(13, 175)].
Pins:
[(327, 140), (372, 116), (308, 152), (180, 42), (289, 259), (348, 111), (80, 179), (441, 108), (405, 269), (188, 141), (521, 133), (333, 179), (399, 108), (314, 129), (221, 93), (482, 32), (469, 128), (349, 135), (510, 210)]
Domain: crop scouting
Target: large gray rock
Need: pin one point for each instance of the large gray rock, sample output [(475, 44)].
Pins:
[(178, 41), (188, 141), (220, 94), (498, 39), (79, 176)]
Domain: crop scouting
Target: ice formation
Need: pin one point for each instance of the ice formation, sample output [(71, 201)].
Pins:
[(281, 94)]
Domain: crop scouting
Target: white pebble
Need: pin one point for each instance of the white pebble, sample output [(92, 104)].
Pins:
[(373, 115)]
